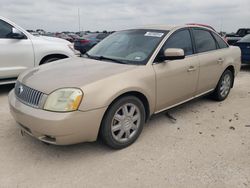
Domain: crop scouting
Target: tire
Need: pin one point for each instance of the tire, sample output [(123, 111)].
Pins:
[(123, 122), (224, 86)]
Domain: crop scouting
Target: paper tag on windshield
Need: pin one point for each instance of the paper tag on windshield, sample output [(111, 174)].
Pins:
[(154, 34)]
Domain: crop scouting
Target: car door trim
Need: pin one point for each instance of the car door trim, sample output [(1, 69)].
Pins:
[(182, 102)]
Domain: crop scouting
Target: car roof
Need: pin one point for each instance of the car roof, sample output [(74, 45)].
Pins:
[(172, 27)]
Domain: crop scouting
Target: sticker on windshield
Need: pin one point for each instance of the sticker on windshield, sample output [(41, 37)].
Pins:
[(154, 34), (137, 58)]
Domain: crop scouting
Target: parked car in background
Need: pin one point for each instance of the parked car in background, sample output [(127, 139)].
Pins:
[(244, 45), (120, 83), (85, 43), (33, 32), (233, 38), (64, 36), (20, 50), (73, 36)]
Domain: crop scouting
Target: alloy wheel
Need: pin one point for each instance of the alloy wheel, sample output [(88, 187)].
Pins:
[(126, 122)]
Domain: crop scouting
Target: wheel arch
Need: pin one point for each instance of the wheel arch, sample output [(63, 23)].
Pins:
[(232, 69), (61, 56), (138, 95)]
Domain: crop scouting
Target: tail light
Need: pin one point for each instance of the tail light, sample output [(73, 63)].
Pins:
[(84, 41)]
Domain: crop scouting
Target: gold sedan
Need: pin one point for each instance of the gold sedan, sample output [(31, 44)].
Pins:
[(116, 86)]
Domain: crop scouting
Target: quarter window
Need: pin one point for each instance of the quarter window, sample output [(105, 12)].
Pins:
[(220, 41), (180, 39), (204, 41), (5, 29)]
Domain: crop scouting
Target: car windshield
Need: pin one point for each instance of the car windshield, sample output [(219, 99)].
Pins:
[(128, 47), (245, 39)]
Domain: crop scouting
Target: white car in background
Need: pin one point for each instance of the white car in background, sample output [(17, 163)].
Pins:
[(20, 50)]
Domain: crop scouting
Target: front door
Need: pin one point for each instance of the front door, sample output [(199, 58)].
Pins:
[(16, 55), (176, 79)]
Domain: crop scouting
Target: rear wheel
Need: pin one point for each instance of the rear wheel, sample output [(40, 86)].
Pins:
[(224, 86), (123, 122)]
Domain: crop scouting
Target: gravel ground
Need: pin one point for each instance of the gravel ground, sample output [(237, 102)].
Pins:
[(208, 146)]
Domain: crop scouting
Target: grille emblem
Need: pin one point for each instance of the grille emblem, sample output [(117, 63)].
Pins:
[(20, 89)]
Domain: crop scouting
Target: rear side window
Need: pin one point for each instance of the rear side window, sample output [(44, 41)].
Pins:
[(5, 29), (220, 41), (204, 41), (180, 39)]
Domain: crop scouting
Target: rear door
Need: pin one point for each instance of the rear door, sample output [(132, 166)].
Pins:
[(16, 55), (211, 59)]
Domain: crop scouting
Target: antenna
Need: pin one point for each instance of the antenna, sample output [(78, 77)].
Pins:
[(79, 21)]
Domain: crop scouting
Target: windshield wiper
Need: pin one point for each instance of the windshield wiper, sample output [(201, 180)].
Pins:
[(111, 59), (91, 57), (104, 58)]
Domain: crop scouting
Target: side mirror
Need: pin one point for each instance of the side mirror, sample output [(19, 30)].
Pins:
[(174, 54), (16, 34)]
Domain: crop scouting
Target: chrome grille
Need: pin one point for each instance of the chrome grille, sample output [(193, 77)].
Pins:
[(28, 95)]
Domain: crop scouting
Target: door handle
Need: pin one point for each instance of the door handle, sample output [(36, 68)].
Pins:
[(220, 60), (191, 69)]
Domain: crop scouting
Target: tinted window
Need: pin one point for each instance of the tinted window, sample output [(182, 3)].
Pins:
[(181, 39), (204, 41), (220, 41), (5, 29), (241, 32)]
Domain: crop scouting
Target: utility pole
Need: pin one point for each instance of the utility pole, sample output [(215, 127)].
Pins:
[(79, 21)]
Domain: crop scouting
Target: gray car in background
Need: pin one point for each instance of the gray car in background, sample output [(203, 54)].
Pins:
[(86, 42)]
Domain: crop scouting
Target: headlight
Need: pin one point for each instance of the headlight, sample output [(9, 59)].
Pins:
[(64, 100)]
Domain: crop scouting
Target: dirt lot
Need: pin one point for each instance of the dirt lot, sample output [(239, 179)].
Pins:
[(208, 146)]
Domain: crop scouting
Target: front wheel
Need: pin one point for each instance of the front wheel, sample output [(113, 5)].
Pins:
[(224, 86), (123, 122)]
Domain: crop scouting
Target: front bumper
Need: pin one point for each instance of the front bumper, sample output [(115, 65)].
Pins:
[(56, 128)]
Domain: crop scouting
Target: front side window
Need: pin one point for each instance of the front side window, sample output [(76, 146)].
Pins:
[(220, 41), (204, 40), (180, 39), (130, 46), (5, 29)]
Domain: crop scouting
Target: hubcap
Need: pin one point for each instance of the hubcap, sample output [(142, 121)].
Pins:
[(225, 85), (126, 122)]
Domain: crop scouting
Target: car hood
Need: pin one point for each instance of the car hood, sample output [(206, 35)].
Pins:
[(71, 72), (52, 39)]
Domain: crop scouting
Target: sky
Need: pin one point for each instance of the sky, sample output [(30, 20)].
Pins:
[(62, 15)]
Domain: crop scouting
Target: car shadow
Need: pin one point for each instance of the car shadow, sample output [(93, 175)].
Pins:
[(5, 89), (245, 68)]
